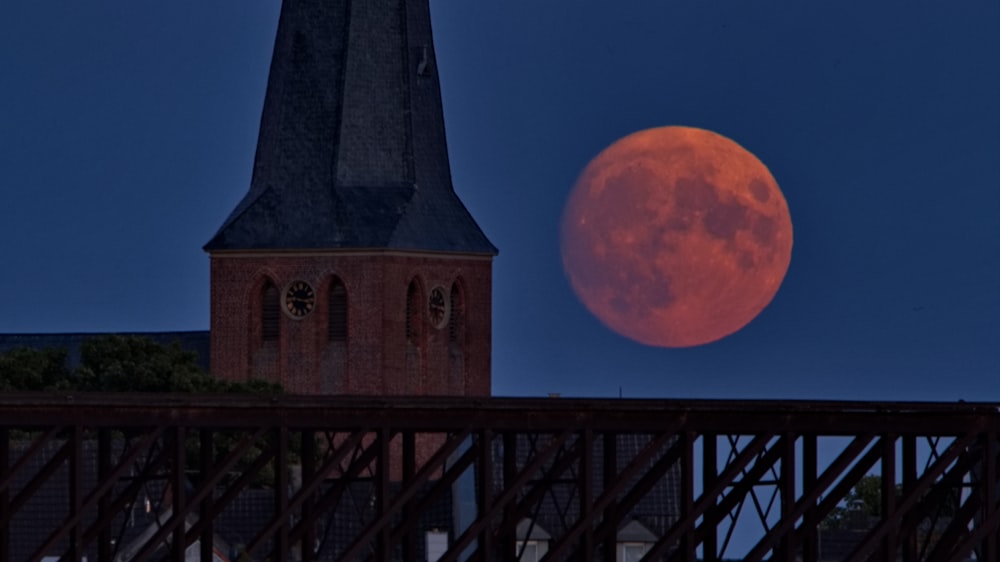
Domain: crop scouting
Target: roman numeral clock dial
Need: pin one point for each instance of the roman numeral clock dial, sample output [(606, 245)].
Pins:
[(299, 299)]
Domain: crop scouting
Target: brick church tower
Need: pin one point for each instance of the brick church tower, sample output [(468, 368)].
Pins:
[(351, 266)]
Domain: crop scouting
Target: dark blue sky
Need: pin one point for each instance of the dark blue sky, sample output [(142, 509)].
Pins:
[(127, 133)]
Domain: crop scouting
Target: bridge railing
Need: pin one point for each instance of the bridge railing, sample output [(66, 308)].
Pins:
[(153, 477)]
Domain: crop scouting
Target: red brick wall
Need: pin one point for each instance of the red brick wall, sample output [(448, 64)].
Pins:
[(374, 360)]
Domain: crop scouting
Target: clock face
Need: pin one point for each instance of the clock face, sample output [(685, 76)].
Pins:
[(299, 299), (437, 307)]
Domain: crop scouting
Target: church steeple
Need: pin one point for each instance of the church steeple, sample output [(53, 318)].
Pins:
[(352, 150), (351, 267)]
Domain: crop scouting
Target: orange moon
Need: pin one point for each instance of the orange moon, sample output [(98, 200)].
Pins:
[(676, 237)]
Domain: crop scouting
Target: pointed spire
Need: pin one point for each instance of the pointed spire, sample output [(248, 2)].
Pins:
[(352, 151)]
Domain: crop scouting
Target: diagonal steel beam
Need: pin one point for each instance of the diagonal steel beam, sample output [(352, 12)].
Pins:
[(487, 513), (207, 486), (723, 506), (607, 529), (912, 497), (207, 514), (406, 494), (990, 527), (447, 479), (41, 477), (534, 494), (102, 489), (809, 497), (932, 502), (708, 497), (33, 449), (957, 531), (853, 475), (332, 496), (607, 498), (313, 483), (127, 496)]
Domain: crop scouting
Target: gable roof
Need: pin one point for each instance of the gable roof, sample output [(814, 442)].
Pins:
[(351, 152), (635, 531)]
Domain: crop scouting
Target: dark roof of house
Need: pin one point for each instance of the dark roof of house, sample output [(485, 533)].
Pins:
[(194, 341), (351, 152)]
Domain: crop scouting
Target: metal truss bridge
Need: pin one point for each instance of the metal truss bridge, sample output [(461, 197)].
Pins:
[(165, 477)]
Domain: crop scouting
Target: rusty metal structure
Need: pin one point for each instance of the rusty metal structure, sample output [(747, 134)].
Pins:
[(770, 476)]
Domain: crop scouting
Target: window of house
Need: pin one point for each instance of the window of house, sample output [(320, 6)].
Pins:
[(437, 545), (531, 551), (337, 331), (633, 552)]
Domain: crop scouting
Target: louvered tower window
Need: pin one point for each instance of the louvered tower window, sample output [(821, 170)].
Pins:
[(270, 313), (413, 314), (337, 330), (456, 322)]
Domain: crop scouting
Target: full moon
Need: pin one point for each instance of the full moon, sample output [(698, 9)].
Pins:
[(676, 237)]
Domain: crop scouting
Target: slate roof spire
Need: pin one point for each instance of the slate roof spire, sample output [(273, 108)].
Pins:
[(351, 152)]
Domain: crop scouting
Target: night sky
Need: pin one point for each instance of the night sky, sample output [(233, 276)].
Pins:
[(127, 135)]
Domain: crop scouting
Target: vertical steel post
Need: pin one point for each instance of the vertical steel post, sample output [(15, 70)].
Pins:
[(610, 477), (988, 488), (710, 472), (586, 482), (383, 466), (687, 493), (484, 470), (909, 481), (810, 461), (179, 482), (787, 484), (308, 544), (206, 452), (76, 491), (409, 469), (889, 492), (4, 494), (103, 504), (281, 546), (509, 548)]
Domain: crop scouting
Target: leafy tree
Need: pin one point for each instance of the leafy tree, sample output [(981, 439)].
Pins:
[(118, 364), (864, 503), (137, 364), (132, 364), (866, 495), (32, 369)]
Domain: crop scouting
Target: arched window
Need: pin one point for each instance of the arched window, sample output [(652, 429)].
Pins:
[(337, 328), (415, 343), (413, 317), (456, 320), (270, 313), (457, 367)]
